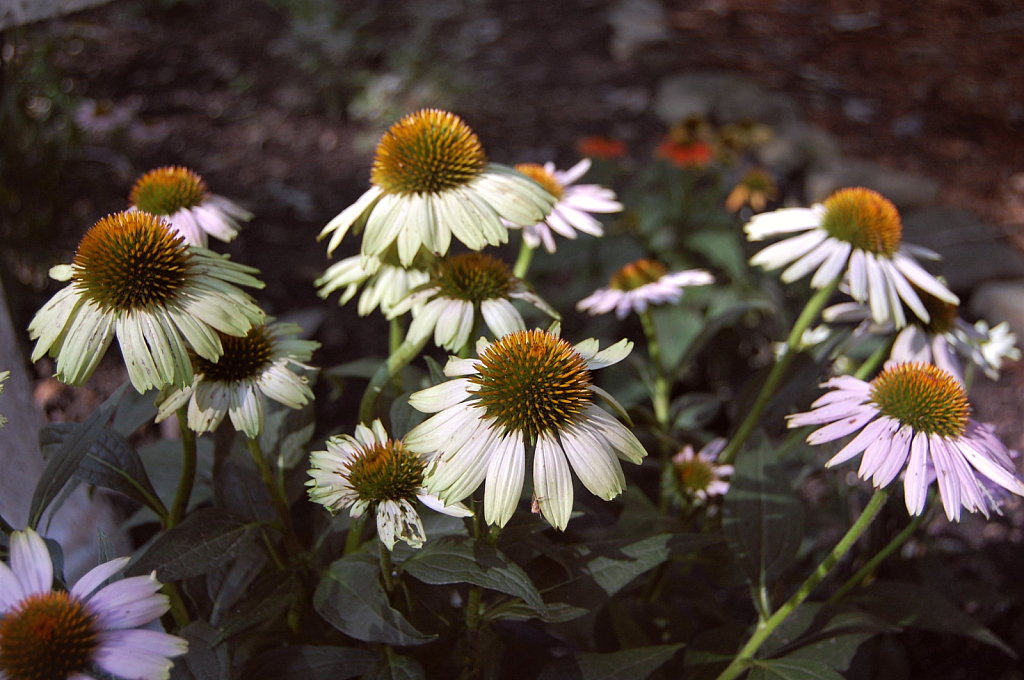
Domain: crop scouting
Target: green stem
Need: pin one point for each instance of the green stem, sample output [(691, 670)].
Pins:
[(873, 563), (865, 370), (354, 539), (743, 659), (473, 608), (523, 261), (662, 388), (178, 609), (280, 502), (387, 568), (395, 363), (188, 471), (396, 335), (810, 313)]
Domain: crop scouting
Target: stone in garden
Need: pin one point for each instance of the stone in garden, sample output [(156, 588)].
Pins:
[(636, 24), (998, 301), (904, 189), (797, 146), (725, 97)]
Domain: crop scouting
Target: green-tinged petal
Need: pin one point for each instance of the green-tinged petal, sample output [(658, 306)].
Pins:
[(285, 387), (246, 409), (383, 225), (199, 336), (552, 482), (170, 400), (350, 217), (85, 342), (208, 406), (454, 214), (505, 475), (138, 358), (50, 321)]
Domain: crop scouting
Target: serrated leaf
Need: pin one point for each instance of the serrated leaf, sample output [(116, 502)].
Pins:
[(352, 600), (791, 669), (309, 663), (256, 610), (395, 667), (614, 574), (762, 519), (111, 463), (206, 540), (915, 606), (458, 559), (68, 456)]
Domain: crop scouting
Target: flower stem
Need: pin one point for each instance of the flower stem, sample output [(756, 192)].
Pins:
[(178, 609), (884, 553), (662, 388), (396, 334), (276, 496), (387, 568), (810, 313), (865, 370), (523, 261), (188, 470), (388, 370), (355, 535), (764, 629)]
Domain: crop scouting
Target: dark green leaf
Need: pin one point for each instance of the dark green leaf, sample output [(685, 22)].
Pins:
[(677, 327), (106, 552), (395, 667), (823, 634), (914, 606), (795, 669), (111, 462), (205, 660), (162, 460), (309, 663), (403, 416), (458, 559), (351, 599), (206, 540), (437, 375), (694, 410), (557, 612), (762, 519), (629, 664), (722, 248), (255, 610), (615, 573), (134, 411), (66, 459)]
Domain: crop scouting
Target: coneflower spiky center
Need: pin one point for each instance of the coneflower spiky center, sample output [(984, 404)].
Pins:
[(865, 219), (165, 191), (473, 277), (386, 472), (244, 357), (542, 177), (693, 474), (532, 382), (130, 260), (923, 396), (637, 274), (427, 152), (48, 636)]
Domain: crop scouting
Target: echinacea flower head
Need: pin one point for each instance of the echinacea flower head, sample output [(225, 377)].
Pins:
[(944, 340), (599, 146), (462, 289), (385, 283), (431, 180), (697, 476), (527, 389), (910, 415), (371, 470), (181, 197), (640, 284), (134, 277), (856, 233), (756, 188), (254, 367), (575, 207), (48, 634)]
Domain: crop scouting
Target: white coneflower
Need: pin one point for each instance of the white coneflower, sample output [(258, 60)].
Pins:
[(639, 284), (697, 475), (856, 233), (576, 203), (48, 634), (431, 180), (943, 340), (908, 415), (180, 196), (133, 276), (529, 388), (461, 289), (253, 367), (384, 284), (368, 470)]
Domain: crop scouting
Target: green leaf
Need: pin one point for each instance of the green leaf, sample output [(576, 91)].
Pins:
[(910, 605), (823, 634), (403, 416), (255, 610), (309, 663), (694, 410), (111, 462), (134, 411), (787, 669), (351, 599), (722, 249), (437, 375), (395, 667), (206, 540), (458, 559), (205, 659), (762, 519), (613, 573), (68, 456), (557, 612), (162, 460), (106, 552), (629, 664), (677, 328)]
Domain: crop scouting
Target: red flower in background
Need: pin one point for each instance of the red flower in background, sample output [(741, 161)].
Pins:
[(598, 146), (692, 155)]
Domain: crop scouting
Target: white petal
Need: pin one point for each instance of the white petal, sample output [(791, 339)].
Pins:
[(441, 396), (30, 562), (594, 463), (95, 577), (915, 482), (505, 475), (552, 482), (138, 654), (501, 317)]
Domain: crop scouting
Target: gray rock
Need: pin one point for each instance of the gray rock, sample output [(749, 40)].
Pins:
[(972, 252), (911, 125), (797, 146), (725, 97), (904, 189), (636, 24), (998, 301)]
